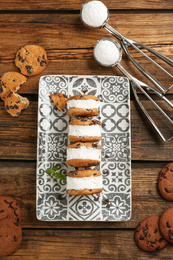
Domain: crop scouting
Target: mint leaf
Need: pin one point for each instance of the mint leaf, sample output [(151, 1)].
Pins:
[(49, 171), (54, 168), (53, 173), (59, 176)]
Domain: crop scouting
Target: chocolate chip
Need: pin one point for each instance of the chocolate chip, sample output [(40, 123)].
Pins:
[(16, 107), (155, 230), (11, 107), (95, 174), (169, 232), (83, 120), (10, 205), (14, 80), (77, 144), (94, 145), (105, 172), (96, 199), (60, 197), (153, 242), (141, 237), (15, 238), (64, 95), (1, 89), (138, 229), (29, 69), (43, 57), (38, 59), (9, 95), (163, 174), (95, 122), (103, 125), (7, 107), (42, 63), (1, 211), (108, 205), (157, 248), (144, 229), (167, 190), (74, 173), (16, 223), (168, 225), (15, 212), (161, 239), (106, 156)]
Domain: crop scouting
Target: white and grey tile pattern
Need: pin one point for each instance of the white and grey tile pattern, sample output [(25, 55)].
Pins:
[(114, 203)]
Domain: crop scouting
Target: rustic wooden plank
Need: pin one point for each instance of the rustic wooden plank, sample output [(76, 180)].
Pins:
[(18, 179), (76, 5), (18, 137), (83, 244), (69, 52)]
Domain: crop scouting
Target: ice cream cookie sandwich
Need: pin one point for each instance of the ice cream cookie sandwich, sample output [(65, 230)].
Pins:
[(83, 105), (84, 130), (84, 182), (83, 154)]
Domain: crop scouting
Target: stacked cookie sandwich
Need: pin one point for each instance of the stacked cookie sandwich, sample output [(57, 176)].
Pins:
[(84, 132)]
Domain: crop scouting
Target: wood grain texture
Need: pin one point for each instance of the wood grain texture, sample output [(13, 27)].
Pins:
[(18, 137), (84, 244), (76, 5), (69, 44), (18, 179)]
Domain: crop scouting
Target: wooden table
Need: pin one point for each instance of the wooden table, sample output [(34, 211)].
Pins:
[(56, 26)]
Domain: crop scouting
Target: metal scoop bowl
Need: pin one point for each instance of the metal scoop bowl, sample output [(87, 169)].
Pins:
[(92, 10), (137, 84)]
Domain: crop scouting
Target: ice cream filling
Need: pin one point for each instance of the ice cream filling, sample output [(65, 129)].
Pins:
[(86, 104), (82, 130), (84, 152), (84, 183)]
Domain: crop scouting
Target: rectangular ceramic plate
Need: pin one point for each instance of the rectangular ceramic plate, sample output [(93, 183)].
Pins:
[(114, 203)]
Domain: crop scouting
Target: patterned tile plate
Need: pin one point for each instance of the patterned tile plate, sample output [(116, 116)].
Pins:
[(114, 203)]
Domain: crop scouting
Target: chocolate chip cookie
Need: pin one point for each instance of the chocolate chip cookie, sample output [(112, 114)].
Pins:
[(14, 103), (59, 99), (165, 182), (31, 60), (10, 81), (10, 236), (166, 224), (83, 105), (9, 207), (148, 236)]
